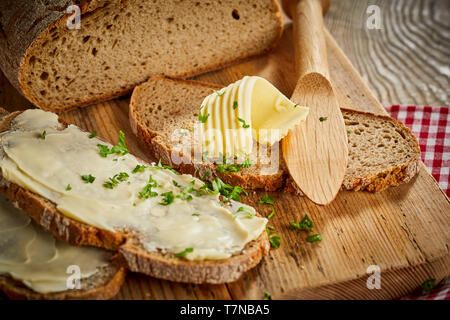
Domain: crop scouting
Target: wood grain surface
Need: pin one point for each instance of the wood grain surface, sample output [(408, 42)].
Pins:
[(407, 61), (403, 230)]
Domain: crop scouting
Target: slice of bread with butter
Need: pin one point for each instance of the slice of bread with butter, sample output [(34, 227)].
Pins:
[(34, 265), (164, 113), (88, 192)]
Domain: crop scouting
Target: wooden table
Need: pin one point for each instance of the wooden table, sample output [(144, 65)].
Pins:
[(405, 230)]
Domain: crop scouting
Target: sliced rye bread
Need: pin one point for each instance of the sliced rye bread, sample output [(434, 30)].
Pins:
[(382, 151), (102, 285), (122, 43), (132, 255)]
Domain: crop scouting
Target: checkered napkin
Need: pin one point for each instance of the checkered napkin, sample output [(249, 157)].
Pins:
[(431, 126)]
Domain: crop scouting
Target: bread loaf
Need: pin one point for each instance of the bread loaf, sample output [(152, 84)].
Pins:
[(122, 43)]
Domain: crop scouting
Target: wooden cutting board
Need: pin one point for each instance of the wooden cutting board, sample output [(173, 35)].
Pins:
[(403, 230)]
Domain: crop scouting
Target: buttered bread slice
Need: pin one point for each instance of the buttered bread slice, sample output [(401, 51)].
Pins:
[(33, 265), (90, 192)]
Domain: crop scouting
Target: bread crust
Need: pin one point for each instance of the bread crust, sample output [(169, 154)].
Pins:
[(132, 256), (108, 286), (376, 182), (16, 44)]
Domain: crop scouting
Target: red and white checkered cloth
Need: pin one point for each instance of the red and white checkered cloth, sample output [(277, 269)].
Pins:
[(431, 126)]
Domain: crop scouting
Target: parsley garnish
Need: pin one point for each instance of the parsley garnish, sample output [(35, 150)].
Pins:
[(323, 118), (227, 168), (93, 134), (304, 225), (206, 175), (147, 192), (275, 241), (218, 92), (43, 134), (161, 166), (88, 178), (235, 105), (267, 295), (267, 199), (120, 148), (184, 253), (218, 186), (348, 132), (168, 198), (196, 214), (244, 125), (428, 285), (139, 168), (176, 184), (314, 238), (271, 214), (202, 118), (245, 210), (68, 188), (115, 180), (184, 195)]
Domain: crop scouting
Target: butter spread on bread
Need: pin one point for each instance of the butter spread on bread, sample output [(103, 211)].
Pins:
[(167, 212), (250, 108), (34, 257)]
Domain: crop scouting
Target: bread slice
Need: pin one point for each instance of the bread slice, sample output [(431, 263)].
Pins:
[(382, 151), (103, 285), (132, 254), (122, 43)]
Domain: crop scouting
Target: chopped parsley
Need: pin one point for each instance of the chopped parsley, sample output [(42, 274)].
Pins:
[(218, 92), (139, 168), (225, 167), (88, 178), (348, 132), (196, 214), (321, 119), (267, 295), (304, 225), (176, 184), (295, 105), (147, 192), (160, 166), (244, 125), (245, 210), (275, 241), (218, 186), (93, 134), (235, 105), (68, 188), (267, 199), (115, 180), (184, 195), (120, 148), (271, 214), (184, 253), (314, 238), (428, 285), (204, 117), (206, 175), (167, 199), (43, 134)]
